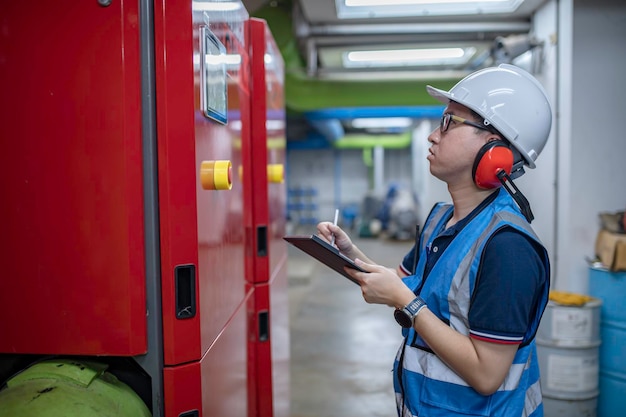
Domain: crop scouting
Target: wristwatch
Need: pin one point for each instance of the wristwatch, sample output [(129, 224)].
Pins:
[(405, 316)]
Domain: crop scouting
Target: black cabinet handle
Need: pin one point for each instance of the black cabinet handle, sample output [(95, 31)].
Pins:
[(261, 240), (185, 277), (264, 326)]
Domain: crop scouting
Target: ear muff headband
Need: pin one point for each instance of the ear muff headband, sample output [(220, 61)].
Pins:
[(492, 158)]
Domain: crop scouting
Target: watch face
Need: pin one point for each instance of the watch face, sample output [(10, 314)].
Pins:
[(403, 318)]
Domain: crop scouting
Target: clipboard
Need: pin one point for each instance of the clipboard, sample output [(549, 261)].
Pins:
[(327, 254)]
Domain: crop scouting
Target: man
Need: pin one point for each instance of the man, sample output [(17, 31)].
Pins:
[(471, 310)]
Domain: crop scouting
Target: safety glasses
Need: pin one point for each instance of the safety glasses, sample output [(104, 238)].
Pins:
[(448, 117)]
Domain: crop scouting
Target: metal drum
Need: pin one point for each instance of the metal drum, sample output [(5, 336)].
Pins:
[(610, 287), (568, 341)]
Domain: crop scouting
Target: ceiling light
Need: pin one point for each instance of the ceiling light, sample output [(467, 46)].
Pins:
[(275, 124), (271, 125), (225, 6), (231, 61), (354, 9), (407, 57), (359, 3), (381, 122)]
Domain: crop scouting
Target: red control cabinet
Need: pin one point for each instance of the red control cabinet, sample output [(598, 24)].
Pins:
[(72, 190), (143, 144), (270, 342)]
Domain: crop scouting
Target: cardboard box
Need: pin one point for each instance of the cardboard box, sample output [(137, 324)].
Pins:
[(611, 250)]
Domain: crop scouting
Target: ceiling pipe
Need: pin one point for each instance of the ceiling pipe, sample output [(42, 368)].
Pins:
[(312, 36), (416, 28), (306, 93)]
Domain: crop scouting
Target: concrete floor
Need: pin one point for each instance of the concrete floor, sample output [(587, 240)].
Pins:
[(342, 348)]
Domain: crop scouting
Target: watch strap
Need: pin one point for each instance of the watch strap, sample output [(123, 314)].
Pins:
[(405, 316), (415, 306)]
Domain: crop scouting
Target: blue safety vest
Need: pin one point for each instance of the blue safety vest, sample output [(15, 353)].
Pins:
[(424, 385)]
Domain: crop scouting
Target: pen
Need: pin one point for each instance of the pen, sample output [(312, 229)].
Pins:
[(332, 241)]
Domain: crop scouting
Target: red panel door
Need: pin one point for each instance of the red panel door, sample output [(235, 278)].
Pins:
[(72, 199), (269, 332), (177, 178), (224, 368), (268, 151), (276, 218), (204, 224), (216, 386), (276, 156), (182, 389)]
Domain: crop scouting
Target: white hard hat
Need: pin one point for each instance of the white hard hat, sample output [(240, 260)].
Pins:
[(511, 100)]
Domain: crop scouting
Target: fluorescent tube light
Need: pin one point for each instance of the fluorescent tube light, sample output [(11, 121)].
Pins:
[(271, 125), (381, 122), (226, 6), (275, 124), (354, 9), (407, 57), (363, 3), (232, 61)]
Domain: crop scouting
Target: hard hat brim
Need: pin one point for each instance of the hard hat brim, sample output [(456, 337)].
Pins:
[(438, 94)]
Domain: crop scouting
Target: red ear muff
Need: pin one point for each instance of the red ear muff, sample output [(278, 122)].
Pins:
[(492, 158)]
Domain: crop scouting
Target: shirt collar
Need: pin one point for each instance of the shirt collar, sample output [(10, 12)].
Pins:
[(456, 228)]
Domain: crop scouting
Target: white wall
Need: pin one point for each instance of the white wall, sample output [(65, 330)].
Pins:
[(597, 167), (581, 171), (539, 184)]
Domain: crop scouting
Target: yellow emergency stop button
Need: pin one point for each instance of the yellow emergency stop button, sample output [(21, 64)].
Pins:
[(216, 175), (275, 173)]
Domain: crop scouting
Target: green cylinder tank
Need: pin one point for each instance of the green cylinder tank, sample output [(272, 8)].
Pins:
[(69, 388)]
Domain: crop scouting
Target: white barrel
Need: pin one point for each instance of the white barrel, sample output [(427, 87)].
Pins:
[(570, 325), (571, 372), (568, 341), (564, 407)]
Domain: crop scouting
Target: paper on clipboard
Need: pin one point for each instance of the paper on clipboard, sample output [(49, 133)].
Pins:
[(321, 250)]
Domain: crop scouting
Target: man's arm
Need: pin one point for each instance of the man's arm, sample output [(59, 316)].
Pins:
[(483, 365)]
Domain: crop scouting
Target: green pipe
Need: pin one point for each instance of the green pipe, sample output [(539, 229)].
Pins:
[(350, 141), (368, 160)]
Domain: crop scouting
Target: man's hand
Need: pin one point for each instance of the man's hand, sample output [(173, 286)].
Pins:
[(343, 242), (381, 285)]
